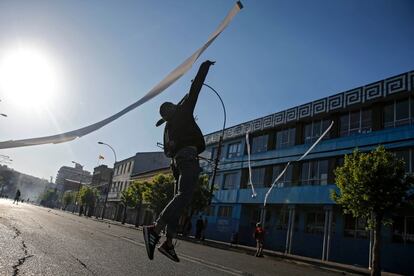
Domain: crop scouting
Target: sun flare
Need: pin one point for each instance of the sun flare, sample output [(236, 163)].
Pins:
[(27, 78)]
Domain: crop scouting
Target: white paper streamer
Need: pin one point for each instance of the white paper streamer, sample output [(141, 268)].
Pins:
[(156, 90), (254, 194), (288, 164)]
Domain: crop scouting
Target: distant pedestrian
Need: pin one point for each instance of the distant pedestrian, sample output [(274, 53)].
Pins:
[(199, 228), (17, 197), (203, 232), (258, 235)]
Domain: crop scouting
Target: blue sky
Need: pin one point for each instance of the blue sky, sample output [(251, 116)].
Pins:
[(274, 55)]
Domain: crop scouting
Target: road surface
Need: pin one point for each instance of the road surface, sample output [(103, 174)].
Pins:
[(41, 241)]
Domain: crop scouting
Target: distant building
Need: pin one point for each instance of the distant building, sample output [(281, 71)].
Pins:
[(72, 173), (148, 165), (142, 165), (101, 178), (120, 181)]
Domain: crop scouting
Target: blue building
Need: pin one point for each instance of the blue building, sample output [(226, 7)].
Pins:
[(301, 218)]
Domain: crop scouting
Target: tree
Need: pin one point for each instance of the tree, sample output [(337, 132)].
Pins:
[(160, 192), (68, 198), (371, 185), (86, 198), (132, 197), (49, 198)]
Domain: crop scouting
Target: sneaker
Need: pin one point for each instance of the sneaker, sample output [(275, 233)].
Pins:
[(151, 239), (169, 252)]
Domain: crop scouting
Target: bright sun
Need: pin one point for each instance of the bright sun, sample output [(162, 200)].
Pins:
[(27, 78)]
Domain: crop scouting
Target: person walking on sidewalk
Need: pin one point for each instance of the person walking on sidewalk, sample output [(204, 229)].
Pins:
[(183, 141), (259, 234)]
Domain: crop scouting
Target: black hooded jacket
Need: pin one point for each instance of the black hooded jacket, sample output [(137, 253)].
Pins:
[(181, 130)]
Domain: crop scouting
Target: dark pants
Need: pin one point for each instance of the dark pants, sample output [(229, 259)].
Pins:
[(189, 169)]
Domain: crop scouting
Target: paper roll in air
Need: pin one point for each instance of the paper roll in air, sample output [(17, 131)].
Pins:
[(173, 76)]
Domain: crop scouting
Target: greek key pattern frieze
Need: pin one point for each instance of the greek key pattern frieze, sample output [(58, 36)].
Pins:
[(368, 93), (395, 85), (336, 102), (319, 106), (353, 97), (373, 91), (305, 110), (291, 114)]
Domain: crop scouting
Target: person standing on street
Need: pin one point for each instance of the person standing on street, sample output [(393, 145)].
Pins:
[(17, 197), (258, 235), (183, 141)]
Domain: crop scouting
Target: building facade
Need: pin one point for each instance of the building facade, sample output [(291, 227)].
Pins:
[(77, 174), (120, 181), (147, 166), (300, 211), (101, 179)]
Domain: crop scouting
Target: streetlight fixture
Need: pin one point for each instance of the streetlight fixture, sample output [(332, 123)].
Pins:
[(213, 177), (102, 143), (110, 180)]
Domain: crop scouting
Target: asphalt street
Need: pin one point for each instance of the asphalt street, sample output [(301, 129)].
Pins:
[(41, 241)]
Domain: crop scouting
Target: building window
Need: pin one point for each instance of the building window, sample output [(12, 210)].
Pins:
[(259, 143), (283, 220), (398, 113), (315, 172), (217, 181), (225, 211), (403, 229), (210, 210), (314, 130), (315, 223), (258, 177), (285, 138), (214, 152), (286, 179), (234, 150), (230, 181), (355, 227), (355, 122)]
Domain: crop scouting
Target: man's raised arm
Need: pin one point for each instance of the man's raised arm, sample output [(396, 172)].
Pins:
[(191, 100)]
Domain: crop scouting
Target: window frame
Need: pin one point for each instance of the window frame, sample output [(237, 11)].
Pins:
[(355, 131), (291, 138), (310, 179), (323, 125), (399, 122), (256, 149), (226, 209), (234, 179), (238, 153)]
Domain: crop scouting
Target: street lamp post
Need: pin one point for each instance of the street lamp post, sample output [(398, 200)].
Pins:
[(216, 161), (110, 179)]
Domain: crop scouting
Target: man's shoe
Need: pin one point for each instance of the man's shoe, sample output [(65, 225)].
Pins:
[(151, 239), (169, 252)]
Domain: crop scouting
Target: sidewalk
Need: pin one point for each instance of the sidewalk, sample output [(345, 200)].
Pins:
[(268, 253)]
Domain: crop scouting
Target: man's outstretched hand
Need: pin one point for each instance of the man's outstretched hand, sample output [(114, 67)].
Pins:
[(209, 62)]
